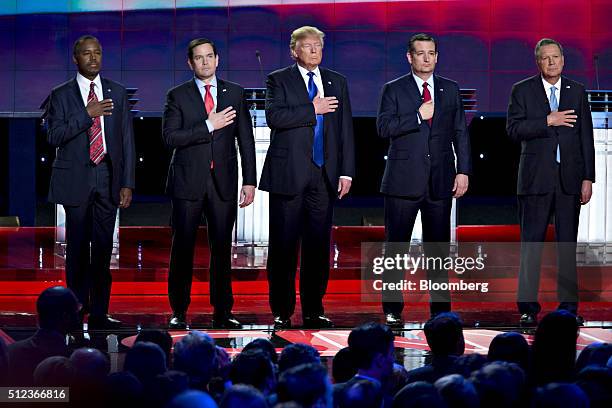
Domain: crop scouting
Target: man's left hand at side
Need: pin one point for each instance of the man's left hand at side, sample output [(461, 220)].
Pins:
[(344, 185), (586, 191), (247, 195), (125, 197), (461, 185)]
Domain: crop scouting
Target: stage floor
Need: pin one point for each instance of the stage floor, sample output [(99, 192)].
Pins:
[(29, 263)]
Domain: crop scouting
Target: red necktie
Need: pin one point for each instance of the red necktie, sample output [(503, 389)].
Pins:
[(209, 103), (96, 145), (426, 97)]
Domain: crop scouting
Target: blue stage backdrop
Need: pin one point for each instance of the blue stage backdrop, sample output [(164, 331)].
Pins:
[(484, 44)]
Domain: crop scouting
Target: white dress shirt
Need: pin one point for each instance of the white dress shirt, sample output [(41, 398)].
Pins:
[(547, 87), (430, 86), (84, 85), (213, 91)]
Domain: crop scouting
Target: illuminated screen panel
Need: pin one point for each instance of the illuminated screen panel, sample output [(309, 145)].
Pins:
[(483, 44)]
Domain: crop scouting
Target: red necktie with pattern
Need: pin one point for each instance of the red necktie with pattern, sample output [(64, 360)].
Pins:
[(426, 97), (209, 103), (96, 145)]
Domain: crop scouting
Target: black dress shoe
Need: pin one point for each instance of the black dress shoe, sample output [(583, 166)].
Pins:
[(226, 322), (281, 324), (318, 322), (528, 320), (394, 320), (103, 323), (579, 320), (178, 321)]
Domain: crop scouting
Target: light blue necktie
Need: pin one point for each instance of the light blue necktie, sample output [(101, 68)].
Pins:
[(554, 105), (317, 146)]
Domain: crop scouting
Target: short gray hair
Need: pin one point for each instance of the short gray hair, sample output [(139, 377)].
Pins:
[(303, 32), (546, 41)]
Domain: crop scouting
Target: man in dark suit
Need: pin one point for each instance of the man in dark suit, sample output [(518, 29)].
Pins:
[(203, 118), (549, 115), (90, 124), (309, 164), (422, 115)]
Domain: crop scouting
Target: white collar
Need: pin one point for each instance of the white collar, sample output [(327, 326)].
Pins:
[(548, 85), (86, 83), (305, 72), (419, 81), (201, 84)]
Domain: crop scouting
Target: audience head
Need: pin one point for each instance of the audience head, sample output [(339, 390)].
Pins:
[(296, 354), (444, 334), (511, 347), (55, 371), (160, 337), (58, 309), (360, 394), (343, 366), (243, 396), (168, 385), (499, 384), (596, 382), (466, 364), (195, 354), (554, 348), (90, 363), (253, 367), (123, 389), (457, 391), (193, 399), (145, 360), (419, 394), (264, 345), (560, 395), (372, 348), (594, 354), (306, 384)]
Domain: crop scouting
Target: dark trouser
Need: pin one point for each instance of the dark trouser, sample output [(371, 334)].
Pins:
[(400, 214), (534, 214), (186, 215), (88, 270), (307, 216)]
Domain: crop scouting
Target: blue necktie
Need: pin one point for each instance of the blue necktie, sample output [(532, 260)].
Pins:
[(317, 146), (554, 105)]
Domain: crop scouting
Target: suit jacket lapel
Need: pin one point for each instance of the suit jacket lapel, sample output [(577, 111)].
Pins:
[(564, 94), (222, 96), (108, 120), (439, 96), (329, 89), (541, 99), (413, 90), (298, 84), (197, 98)]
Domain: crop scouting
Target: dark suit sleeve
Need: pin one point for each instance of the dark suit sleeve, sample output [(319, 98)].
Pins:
[(519, 127), (129, 151), (174, 133), (389, 123), (347, 168), (65, 125), (246, 144), (586, 139), (280, 114), (461, 139)]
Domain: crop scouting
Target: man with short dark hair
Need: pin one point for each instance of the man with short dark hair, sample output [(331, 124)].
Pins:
[(444, 334), (203, 119), (306, 384), (58, 314), (422, 115), (90, 125), (549, 115), (310, 164), (195, 355)]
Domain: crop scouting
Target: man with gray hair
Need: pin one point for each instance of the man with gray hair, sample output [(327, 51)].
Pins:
[(549, 115), (310, 164)]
